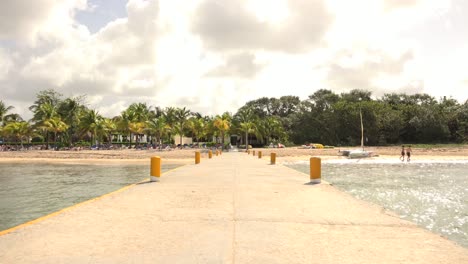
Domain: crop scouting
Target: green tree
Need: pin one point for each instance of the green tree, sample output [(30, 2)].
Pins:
[(122, 123), (137, 129), (108, 127), (19, 131), (170, 116), (198, 126), (181, 116), (138, 114), (91, 124), (56, 126), (159, 128), (44, 112), (70, 110), (51, 99), (272, 128), (461, 116), (323, 99), (246, 123), (288, 105), (4, 111), (223, 123)]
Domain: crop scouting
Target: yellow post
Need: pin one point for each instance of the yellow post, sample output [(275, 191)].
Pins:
[(210, 154), (273, 158), (315, 170), (259, 154), (253, 152), (217, 153), (248, 152), (197, 157), (155, 171)]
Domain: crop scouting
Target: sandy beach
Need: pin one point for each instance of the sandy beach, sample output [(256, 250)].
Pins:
[(291, 154)]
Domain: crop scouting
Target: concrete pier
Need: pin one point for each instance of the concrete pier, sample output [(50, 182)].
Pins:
[(232, 209)]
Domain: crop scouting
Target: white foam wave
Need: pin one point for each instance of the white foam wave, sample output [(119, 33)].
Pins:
[(381, 161)]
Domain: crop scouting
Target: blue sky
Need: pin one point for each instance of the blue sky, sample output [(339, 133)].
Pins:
[(101, 13)]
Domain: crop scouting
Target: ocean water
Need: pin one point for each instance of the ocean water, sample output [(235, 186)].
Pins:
[(29, 191), (432, 195)]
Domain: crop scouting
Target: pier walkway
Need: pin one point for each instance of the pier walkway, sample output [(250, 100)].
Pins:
[(234, 208)]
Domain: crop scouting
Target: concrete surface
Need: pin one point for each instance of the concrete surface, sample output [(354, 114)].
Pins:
[(234, 208)]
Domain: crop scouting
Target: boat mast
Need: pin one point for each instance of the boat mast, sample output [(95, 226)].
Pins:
[(362, 129)]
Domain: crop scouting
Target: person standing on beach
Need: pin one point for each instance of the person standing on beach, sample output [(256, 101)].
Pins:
[(408, 153), (402, 157)]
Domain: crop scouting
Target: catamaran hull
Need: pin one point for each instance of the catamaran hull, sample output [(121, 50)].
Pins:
[(359, 154)]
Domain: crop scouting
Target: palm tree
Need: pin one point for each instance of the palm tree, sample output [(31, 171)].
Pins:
[(137, 114), (56, 126), (123, 122), (91, 124), (245, 118), (210, 130), (141, 111), (108, 128), (181, 115), (43, 112), (70, 111), (12, 118), (223, 123), (248, 128), (171, 119), (3, 111), (269, 127), (47, 97), (18, 130), (198, 127), (159, 128), (137, 128)]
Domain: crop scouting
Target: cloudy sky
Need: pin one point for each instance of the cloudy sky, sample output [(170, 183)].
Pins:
[(214, 55)]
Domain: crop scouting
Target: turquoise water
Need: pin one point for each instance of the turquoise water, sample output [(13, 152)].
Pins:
[(29, 191), (433, 195)]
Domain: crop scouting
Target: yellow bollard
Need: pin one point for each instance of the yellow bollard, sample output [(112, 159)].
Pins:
[(259, 154), (253, 152), (217, 153), (197, 157), (315, 170), (155, 171), (273, 158), (248, 152), (210, 154)]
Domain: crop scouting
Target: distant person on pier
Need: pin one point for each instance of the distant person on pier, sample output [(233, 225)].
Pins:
[(408, 153), (402, 157)]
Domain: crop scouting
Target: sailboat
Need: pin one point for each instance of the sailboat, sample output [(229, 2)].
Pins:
[(360, 153)]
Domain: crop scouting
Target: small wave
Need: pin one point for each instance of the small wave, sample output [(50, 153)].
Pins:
[(379, 161)]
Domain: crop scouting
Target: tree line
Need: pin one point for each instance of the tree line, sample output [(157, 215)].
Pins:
[(324, 117)]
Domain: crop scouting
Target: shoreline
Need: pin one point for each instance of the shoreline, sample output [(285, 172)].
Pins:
[(186, 156), (94, 161)]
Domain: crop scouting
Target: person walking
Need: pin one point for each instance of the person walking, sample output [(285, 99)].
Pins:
[(402, 157), (408, 153)]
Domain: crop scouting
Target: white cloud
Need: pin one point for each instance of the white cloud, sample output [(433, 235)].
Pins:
[(232, 25), (241, 65), (5, 64), (24, 19), (372, 70), (212, 56)]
